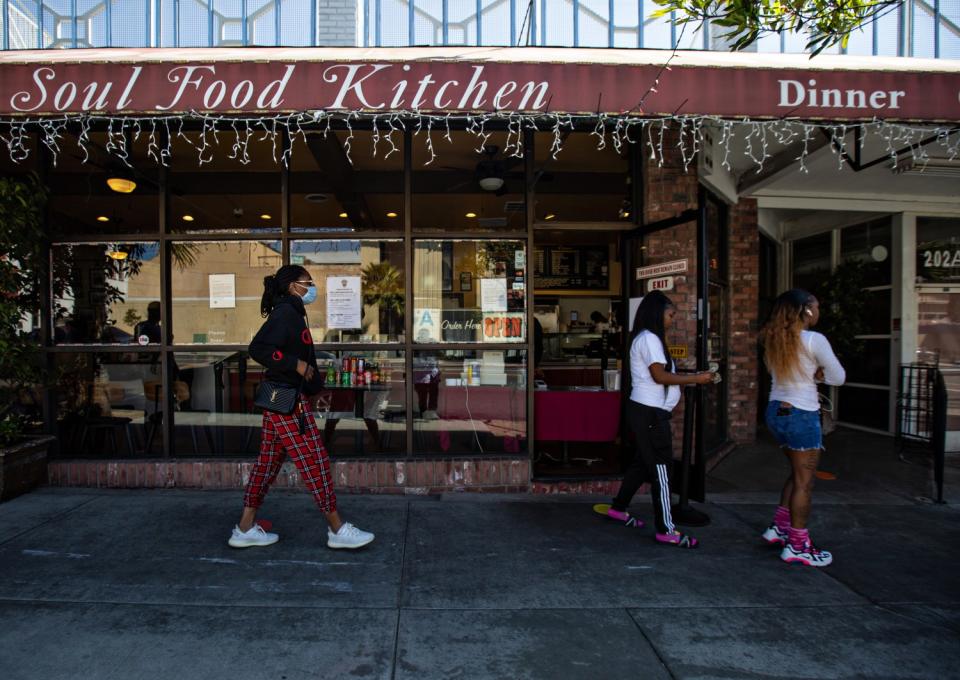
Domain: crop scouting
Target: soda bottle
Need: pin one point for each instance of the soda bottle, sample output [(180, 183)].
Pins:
[(337, 377), (330, 373), (360, 365), (367, 375)]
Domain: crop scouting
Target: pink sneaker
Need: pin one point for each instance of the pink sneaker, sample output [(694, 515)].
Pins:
[(626, 518), (677, 539)]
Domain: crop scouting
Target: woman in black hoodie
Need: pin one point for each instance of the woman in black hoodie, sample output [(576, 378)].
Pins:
[(284, 346)]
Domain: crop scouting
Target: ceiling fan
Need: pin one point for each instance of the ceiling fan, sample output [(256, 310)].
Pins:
[(490, 173)]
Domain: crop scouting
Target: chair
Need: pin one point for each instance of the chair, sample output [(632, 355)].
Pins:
[(94, 421), (155, 420)]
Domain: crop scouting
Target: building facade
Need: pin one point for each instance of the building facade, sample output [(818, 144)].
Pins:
[(447, 202)]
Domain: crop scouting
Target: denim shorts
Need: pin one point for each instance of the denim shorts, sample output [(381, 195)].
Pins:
[(797, 430)]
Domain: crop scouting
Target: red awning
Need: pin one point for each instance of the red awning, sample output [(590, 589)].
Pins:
[(465, 79)]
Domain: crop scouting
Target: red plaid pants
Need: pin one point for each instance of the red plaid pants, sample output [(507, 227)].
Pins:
[(281, 433)]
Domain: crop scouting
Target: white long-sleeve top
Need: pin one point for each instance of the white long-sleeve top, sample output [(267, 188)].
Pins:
[(801, 389)]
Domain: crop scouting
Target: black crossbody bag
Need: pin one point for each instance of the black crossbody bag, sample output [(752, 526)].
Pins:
[(277, 397)]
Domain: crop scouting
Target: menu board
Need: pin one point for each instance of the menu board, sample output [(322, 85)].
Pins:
[(571, 268)]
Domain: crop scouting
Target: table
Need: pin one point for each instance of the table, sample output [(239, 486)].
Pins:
[(481, 402), (339, 395), (206, 388), (576, 416), (332, 402)]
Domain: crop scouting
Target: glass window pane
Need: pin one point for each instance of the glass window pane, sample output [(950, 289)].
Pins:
[(362, 406), (94, 192), (869, 243), (811, 262), (210, 191), (377, 267), (469, 291), (938, 250), (471, 401), (871, 366), (716, 240), (217, 287), (865, 407), (347, 182), (939, 326), (469, 186), (213, 404), (583, 183), (103, 292), (105, 404), (878, 311)]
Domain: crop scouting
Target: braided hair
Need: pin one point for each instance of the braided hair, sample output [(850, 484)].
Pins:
[(276, 285)]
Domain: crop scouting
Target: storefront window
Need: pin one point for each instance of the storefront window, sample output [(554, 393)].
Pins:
[(811, 261), (92, 192), (938, 250), (217, 288), (224, 182), (472, 185), (469, 291), (106, 403), (938, 333), (716, 240), (870, 244), (582, 183), (360, 289), (347, 182), (362, 406), (871, 366), (105, 293), (865, 406), (213, 412), (470, 401)]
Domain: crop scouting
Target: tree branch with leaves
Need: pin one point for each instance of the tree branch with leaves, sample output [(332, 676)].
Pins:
[(827, 22)]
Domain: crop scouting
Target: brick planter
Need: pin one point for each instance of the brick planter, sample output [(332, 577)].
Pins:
[(23, 466)]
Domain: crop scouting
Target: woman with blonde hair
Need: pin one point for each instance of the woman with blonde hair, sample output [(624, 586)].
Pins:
[(797, 359)]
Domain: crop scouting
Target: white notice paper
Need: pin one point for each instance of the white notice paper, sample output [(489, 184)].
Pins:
[(223, 291), (493, 295), (344, 307)]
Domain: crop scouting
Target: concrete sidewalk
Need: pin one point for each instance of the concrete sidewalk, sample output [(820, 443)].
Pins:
[(141, 584)]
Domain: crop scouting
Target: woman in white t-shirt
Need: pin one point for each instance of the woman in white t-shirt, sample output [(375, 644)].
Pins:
[(797, 359), (654, 393)]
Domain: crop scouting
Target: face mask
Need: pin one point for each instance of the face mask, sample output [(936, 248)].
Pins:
[(310, 295)]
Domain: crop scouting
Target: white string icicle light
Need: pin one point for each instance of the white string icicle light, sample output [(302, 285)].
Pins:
[(759, 140)]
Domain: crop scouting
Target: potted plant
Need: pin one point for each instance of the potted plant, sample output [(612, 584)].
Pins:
[(843, 311), (23, 452), (383, 286)]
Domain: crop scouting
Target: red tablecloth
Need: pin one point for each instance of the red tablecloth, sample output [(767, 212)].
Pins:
[(482, 402), (577, 416)]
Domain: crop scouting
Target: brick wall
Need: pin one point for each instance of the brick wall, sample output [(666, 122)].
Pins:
[(411, 476), (337, 23), (744, 241), (668, 192)]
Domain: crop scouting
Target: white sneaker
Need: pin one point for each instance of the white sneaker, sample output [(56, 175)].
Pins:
[(808, 555), (349, 536), (255, 536)]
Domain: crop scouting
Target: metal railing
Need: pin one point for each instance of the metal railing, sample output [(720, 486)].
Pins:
[(922, 404), (922, 28)]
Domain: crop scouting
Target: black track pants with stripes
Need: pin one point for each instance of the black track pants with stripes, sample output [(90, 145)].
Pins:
[(652, 462)]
